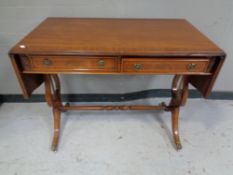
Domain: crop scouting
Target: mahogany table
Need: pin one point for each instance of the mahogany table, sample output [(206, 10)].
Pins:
[(116, 47)]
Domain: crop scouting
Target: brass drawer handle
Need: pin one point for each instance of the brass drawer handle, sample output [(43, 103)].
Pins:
[(191, 66), (47, 62), (137, 67), (101, 64)]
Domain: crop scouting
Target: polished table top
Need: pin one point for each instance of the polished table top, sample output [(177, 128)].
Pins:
[(147, 37)]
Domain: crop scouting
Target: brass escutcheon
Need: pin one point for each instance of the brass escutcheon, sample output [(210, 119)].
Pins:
[(101, 64), (137, 67), (191, 66), (47, 62)]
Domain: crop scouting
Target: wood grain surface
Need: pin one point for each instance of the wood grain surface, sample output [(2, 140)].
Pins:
[(146, 37)]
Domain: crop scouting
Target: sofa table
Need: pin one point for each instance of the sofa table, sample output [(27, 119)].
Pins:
[(116, 47)]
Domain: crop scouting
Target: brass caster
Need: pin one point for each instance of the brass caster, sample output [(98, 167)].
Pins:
[(178, 146), (54, 147)]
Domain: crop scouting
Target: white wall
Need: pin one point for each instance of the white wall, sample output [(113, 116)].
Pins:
[(17, 17)]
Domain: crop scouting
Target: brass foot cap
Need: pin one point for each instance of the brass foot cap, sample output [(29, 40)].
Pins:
[(178, 146), (54, 148)]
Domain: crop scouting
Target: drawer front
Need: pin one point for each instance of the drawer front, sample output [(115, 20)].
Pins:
[(71, 64), (165, 65)]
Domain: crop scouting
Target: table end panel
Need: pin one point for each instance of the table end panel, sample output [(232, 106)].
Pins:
[(204, 84), (28, 82)]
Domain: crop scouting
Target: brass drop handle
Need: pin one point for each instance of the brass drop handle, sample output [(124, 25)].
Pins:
[(191, 66), (137, 67), (101, 64), (47, 62)]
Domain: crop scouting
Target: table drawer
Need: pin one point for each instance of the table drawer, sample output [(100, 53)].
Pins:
[(71, 64), (165, 65)]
